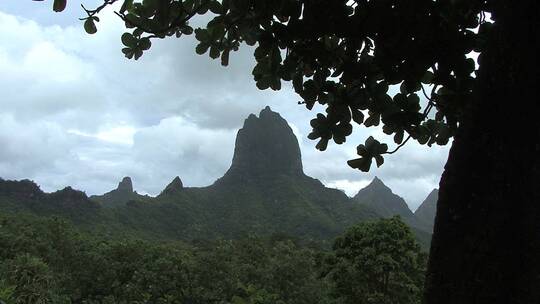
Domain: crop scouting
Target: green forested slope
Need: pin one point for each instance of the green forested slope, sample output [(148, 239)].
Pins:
[(50, 261)]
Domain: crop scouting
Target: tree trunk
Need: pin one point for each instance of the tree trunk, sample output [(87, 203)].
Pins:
[(486, 241)]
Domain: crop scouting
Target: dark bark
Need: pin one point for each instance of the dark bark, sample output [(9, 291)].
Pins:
[(486, 242)]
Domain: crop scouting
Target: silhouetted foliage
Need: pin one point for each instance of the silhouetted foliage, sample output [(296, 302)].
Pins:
[(344, 55), (347, 54)]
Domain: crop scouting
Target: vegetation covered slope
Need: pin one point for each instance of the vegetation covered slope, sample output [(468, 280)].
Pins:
[(50, 261), (26, 196), (265, 191)]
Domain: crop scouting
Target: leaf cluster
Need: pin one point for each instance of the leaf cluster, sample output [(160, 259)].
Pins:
[(347, 56)]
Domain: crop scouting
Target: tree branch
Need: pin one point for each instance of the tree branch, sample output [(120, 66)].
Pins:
[(97, 9)]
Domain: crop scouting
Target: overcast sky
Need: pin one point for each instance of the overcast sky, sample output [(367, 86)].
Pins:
[(74, 111)]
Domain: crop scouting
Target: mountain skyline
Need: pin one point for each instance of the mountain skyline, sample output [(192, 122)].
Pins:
[(289, 162), (265, 191), (99, 117), (266, 145), (176, 183)]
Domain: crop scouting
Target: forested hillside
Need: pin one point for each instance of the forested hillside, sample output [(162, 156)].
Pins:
[(263, 233), (50, 261)]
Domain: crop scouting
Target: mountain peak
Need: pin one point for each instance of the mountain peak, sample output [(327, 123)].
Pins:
[(267, 113), (265, 146), (119, 196), (376, 182), (382, 200), (427, 210), (125, 185), (433, 195), (174, 186)]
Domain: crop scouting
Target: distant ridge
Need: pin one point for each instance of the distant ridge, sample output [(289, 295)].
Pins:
[(264, 191), (26, 196), (427, 210), (120, 196), (380, 198)]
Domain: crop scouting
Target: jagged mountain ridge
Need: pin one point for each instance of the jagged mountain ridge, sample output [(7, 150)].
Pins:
[(26, 196), (264, 191), (427, 210), (380, 198), (119, 196)]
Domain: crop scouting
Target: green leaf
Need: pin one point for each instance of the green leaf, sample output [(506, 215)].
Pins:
[(379, 160), (322, 144), (314, 135), (214, 52), (201, 48), (373, 120), (138, 54), (150, 4), (187, 30), (128, 52), (225, 58), (398, 138), (90, 26), (275, 84), (371, 143), (358, 116), (145, 44), (362, 163), (215, 7), (381, 88), (59, 5), (132, 20), (138, 32), (381, 148), (202, 35), (126, 6), (427, 78), (263, 83), (261, 52), (128, 40), (413, 103)]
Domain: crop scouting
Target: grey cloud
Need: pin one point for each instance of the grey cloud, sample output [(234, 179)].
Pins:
[(61, 114)]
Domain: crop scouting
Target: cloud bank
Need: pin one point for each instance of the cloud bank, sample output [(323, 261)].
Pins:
[(76, 112)]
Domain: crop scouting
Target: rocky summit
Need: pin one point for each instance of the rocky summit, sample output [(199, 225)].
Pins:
[(173, 187), (125, 185), (119, 196), (265, 146)]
